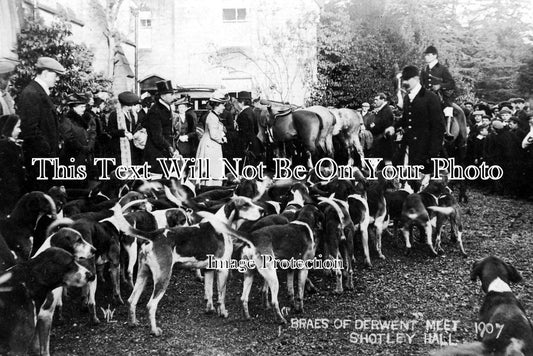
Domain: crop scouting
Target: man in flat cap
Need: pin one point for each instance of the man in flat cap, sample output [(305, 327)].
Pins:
[(437, 78), (7, 105), (39, 118), (422, 122)]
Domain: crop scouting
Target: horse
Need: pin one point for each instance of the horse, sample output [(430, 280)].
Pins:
[(311, 128), (346, 130)]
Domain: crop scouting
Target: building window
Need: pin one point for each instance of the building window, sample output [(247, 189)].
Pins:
[(234, 15), (146, 23)]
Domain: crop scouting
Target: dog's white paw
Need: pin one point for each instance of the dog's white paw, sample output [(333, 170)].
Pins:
[(156, 332)]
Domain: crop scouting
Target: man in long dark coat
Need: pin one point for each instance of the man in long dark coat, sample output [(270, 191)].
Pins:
[(376, 124), (248, 127), (159, 127), (39, 119), (422, 122)]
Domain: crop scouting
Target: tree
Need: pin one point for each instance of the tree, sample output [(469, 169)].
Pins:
[(36, 40)]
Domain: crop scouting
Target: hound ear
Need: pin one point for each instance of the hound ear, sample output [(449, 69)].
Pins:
[(476, 271), (514, 275)]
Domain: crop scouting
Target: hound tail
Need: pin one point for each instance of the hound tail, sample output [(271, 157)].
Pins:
[(223, 228), (58, 223)]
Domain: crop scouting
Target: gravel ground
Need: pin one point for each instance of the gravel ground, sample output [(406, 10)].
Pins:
[(417, 290)]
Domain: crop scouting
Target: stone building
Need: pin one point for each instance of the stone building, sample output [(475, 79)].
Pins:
[(264, 46)]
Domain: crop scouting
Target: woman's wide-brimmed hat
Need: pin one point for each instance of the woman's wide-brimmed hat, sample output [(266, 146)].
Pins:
[(76, 99), (219, 96)]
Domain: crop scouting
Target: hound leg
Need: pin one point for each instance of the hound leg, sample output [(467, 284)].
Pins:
[(246, 287), (92, 302), (379, 233), (406, 235), (44, 321), (302, 277), (429, 238), (440, 225), (114, 269), (272, 279), (265, 298), (208, 290), (457, 226), (348, 267), (338, 276), (222, 278), (161, 281), (131, 251), (138, 288), (364, 234), (290, 287), (199, 276)]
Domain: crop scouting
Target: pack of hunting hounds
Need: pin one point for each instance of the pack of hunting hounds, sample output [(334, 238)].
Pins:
[(140, 230)]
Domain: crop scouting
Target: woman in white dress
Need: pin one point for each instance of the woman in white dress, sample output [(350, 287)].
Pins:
[(214, 136)]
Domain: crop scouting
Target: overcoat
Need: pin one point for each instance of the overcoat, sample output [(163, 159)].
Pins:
[(423, 125), (158, 125), (210, 147)]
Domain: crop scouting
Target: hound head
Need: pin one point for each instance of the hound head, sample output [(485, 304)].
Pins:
[(491, 268)]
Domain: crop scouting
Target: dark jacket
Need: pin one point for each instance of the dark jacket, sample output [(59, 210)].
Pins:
[(158, 125), (79, 134), (439, 74), (39, 122), (381, 146), (423, 125), (247, 125), (12, 175)]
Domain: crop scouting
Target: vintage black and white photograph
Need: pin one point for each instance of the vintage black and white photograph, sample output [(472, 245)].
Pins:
[(266, 177)]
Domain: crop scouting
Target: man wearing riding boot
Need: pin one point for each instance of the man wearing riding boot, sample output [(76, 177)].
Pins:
[(437, 78)]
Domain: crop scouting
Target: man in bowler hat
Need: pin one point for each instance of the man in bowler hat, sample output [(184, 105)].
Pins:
[(422, 121), (39, 119)]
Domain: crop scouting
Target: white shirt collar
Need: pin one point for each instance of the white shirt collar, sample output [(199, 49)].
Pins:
[(244, 107), (433, 63), (414, 92), (43, 84), (165, 104)]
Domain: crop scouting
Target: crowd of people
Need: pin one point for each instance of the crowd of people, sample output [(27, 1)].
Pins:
[(134, 130)]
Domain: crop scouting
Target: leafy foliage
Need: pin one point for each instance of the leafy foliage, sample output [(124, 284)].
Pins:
[(36, 40), (363, 44)]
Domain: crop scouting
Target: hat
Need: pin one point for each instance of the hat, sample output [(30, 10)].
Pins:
[(98, 101), (505, 104), (244, 95), (497, 124), (505, 110), (479, 112), (184, 100), (515, 119), (164, 87), (409, 72), (365, 104), (128, 98), (76, 99), (6, 67), (432, 50), (50, 64), (485, 116), (468, 102), (219, 96), (517, 100), (7, 124)]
